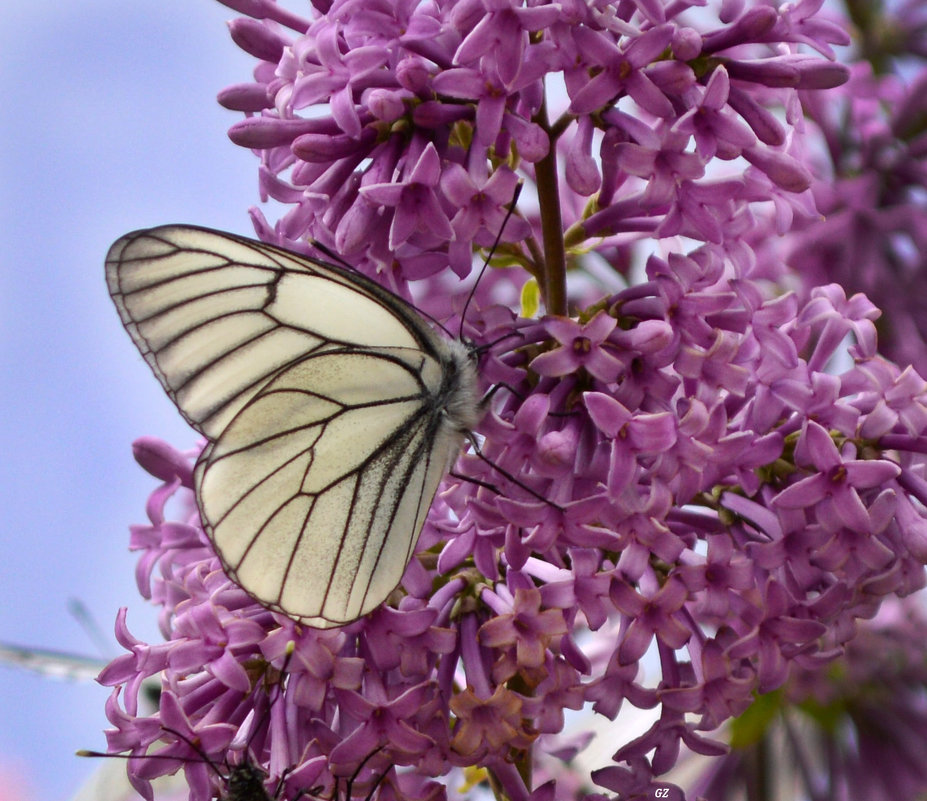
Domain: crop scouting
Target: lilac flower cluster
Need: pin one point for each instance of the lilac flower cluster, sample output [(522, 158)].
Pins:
[(870, 176), (711, 485), (422, 115)]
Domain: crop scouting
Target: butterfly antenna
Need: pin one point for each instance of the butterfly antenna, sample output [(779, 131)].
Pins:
[(376, 785), (196, 747), (492, 250), (349, 785), (204, 757), (505, 474)]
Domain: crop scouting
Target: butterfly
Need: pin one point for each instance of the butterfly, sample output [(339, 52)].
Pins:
[(62, 665), (332, 410), (53, 664)]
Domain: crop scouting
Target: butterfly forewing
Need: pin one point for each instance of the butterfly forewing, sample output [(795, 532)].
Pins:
[(215, 316), (332, 409)]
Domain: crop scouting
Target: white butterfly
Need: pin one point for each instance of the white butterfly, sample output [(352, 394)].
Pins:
[(332, 410), (53, 664)]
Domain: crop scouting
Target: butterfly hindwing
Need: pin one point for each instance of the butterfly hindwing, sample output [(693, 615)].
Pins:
[(313, 452), (332, 409)]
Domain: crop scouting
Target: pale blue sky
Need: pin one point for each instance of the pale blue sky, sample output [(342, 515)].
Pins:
[(109, 123)]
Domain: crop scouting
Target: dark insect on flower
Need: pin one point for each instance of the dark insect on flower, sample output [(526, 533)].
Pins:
[(217, 765), (247, 781), (244, 781)]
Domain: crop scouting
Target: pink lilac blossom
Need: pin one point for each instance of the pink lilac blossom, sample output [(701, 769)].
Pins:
[(701, 499)]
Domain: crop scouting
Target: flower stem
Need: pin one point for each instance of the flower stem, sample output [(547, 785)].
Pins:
[(554, 267)]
